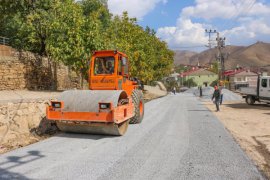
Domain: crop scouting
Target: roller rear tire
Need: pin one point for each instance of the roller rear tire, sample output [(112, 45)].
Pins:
[(137, 98)]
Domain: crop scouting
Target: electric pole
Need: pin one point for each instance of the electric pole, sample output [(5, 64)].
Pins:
[(220, 55), (220, 46), (209, 37)]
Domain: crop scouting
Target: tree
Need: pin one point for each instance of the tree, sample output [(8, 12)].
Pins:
[(190, 83), (68, 31), (149, 58), (214, 67)]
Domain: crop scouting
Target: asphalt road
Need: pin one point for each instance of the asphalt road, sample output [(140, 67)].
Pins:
[(178, 139)]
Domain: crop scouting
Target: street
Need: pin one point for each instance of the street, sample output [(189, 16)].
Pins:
[(179, 138)]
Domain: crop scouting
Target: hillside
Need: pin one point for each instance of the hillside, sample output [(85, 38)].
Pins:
[(183, 57), (255, 55)]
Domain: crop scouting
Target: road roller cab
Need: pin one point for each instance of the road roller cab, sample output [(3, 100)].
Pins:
[(112, 102), (109, 70)]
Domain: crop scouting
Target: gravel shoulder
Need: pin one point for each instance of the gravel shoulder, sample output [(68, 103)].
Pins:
[(250, 126)]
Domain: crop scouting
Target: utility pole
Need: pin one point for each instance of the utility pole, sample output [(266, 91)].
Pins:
[(220, 46), (209, 37), (220, 55)]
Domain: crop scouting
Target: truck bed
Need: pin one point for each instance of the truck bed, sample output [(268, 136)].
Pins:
[(248, 91)]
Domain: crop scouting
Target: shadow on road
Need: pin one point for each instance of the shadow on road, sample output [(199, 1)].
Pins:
[(15, 161), (84, 136), (246, 106), (199, 110)]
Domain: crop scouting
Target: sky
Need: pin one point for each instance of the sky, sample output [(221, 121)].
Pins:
[(182, 23)]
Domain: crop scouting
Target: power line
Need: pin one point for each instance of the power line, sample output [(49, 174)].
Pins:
[(239, 11), (188, 47)]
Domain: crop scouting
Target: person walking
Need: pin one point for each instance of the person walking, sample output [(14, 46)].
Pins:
[(221, 94), (216, 96), (200, 88)]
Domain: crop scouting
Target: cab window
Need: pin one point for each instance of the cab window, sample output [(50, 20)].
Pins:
[(125, 65), (104, 65), (119, 66), (264, 83)]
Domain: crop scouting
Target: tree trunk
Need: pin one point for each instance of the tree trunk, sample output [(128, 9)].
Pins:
[(81, 74)]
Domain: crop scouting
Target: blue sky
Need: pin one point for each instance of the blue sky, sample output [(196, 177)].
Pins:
[(164, 14), (182, 23)]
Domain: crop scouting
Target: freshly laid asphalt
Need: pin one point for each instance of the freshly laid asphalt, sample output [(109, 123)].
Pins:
[(179, 138)]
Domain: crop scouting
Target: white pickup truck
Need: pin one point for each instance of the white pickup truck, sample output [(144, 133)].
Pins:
[(261, 93)]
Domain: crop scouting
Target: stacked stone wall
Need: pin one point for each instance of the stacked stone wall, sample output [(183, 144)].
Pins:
[(18, 120), (24, 70), (12, 74)]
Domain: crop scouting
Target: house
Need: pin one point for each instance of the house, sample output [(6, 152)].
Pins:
[(241, 78), (200, 76), (175, 76)]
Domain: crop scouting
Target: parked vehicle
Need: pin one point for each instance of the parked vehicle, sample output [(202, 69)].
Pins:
[(260, 93)]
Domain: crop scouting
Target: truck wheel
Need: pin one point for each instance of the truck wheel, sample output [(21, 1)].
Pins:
[(250, 100), (137, 98)]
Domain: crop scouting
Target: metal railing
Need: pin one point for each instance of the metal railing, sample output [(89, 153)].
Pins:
[(4, 40)]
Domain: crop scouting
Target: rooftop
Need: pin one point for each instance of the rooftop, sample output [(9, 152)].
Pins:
[(197, 72)]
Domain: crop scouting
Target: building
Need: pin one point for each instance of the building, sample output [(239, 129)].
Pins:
[(200, 76), (241, 78)]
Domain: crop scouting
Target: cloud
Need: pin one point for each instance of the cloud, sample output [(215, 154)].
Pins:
[(225, 9), (251, 19), (249, 31), (185, 34), (135, 8)]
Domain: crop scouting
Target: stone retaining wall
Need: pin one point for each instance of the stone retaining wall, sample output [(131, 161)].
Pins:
[(17, 121), (12, 74), (24, 70)]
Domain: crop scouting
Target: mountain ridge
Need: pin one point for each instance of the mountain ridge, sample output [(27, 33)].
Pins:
[(254, 56)]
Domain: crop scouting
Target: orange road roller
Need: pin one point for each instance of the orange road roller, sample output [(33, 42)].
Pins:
[(114, 99)]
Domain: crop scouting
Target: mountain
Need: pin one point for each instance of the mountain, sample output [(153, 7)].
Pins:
[(254, 56), (183, 57)]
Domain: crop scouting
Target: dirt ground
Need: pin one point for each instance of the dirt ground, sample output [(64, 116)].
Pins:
[(250, 126)]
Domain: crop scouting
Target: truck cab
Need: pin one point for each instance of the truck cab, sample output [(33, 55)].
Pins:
[(264, 90), (260, 93)]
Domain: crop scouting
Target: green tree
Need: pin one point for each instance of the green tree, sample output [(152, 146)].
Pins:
[(214, 67), (68, 31), (150, 59), (190, 83)]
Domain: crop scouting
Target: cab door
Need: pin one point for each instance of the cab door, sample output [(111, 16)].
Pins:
[(265, 88)]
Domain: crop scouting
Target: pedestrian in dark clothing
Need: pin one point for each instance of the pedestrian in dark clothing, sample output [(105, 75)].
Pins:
[(174, 90), (216, 95)]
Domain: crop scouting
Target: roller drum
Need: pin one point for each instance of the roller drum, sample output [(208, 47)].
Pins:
[(88, 101)]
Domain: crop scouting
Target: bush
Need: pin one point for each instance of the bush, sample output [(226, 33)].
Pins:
[(190, 83)]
